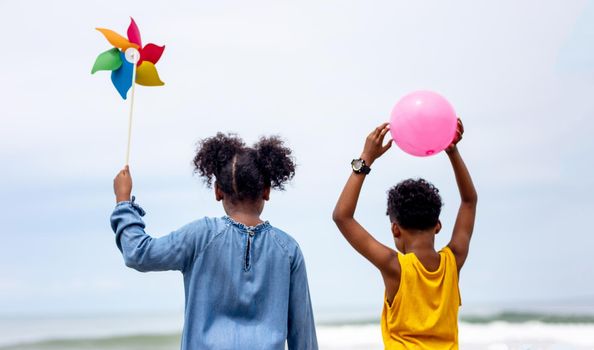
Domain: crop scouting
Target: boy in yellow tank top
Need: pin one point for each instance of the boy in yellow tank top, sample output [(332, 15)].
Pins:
[(421, 284)]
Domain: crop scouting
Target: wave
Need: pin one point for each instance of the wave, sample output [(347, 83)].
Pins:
[(495, 335), (127, 342), (476, 332), (513, 317), (522, 317)]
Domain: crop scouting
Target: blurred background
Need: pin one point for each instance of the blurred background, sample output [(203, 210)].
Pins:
[(321, 74)]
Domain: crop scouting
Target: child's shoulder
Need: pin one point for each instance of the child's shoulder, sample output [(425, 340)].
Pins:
[(204, 228), (284, 240), (449, 258), (446, 250), (205, 223)]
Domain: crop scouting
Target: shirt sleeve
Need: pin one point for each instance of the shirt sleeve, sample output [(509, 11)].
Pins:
[(144, 253), (301, 327)]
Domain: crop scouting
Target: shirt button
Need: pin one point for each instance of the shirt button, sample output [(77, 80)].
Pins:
[(251, 233)]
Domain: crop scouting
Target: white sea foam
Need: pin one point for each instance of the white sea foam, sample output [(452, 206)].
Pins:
[(489, 336), (493, 336), (351, 337), (530, 335)]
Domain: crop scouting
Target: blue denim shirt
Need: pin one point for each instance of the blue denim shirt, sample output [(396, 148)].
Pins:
[(245, 287)]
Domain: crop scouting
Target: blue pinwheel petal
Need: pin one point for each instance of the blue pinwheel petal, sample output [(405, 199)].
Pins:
[(122, 77)]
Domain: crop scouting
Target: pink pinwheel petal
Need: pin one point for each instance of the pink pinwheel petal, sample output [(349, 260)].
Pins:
[(134, 33), (151, 53)]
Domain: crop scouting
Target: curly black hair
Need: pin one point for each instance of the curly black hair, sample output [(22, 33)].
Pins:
[(414, 204), (242, 172)]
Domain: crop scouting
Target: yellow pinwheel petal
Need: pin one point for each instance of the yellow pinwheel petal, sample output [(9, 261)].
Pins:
[(146, 74), (116, 40)]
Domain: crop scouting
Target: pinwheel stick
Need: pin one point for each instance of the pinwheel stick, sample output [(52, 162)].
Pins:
[(132, 55), (130, 118)]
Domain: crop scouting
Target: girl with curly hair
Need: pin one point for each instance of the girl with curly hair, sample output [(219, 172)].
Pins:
[(244, 280)]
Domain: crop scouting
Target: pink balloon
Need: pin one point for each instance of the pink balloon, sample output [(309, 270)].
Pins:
[(423, 123)]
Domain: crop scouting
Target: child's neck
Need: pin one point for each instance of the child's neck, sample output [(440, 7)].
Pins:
[(419, 248), (420, 243), (248, 220), (244, 213)]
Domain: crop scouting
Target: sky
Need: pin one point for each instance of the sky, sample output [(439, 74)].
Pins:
[(321, 74)]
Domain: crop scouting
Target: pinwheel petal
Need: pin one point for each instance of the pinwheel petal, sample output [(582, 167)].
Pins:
[(134, 33), (146, 74), (151, 53), (122, 77), (117, 40), (108, 60)]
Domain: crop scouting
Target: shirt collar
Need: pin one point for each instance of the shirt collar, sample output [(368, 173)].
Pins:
[(258, 228)]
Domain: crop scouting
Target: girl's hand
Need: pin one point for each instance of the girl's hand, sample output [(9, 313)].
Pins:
[(122, 185), (459, 132), (374, 144)]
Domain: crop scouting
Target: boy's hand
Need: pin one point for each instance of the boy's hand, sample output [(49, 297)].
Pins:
[(122, 185), (374, 144), (457, 138)]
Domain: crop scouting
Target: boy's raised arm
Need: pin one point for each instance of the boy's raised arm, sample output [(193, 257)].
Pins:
[(460, 242), (378, 254)]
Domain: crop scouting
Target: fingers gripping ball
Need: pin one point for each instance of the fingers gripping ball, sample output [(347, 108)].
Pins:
[(423, 123)]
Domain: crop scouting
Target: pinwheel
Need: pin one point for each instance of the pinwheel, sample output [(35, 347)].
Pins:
[(121, 58), (129, 62)]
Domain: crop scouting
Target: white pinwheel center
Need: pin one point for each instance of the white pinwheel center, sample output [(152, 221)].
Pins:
[(132, 55)]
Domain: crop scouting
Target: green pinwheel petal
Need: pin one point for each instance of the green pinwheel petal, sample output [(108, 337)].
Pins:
[(108, 60)]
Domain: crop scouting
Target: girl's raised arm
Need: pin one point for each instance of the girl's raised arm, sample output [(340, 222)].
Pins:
[(141, 251)]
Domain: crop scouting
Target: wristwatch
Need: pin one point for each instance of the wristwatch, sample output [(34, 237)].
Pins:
[(359, 166)]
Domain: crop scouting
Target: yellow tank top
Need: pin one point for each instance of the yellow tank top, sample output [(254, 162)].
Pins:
[(424, 312)]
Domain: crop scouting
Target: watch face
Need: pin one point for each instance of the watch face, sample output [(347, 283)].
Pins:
[(357, 164)]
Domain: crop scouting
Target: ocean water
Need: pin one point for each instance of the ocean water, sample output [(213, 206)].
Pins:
[(160, 332)]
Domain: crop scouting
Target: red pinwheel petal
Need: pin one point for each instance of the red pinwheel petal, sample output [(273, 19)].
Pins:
[(151, 53), (134, 33)]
